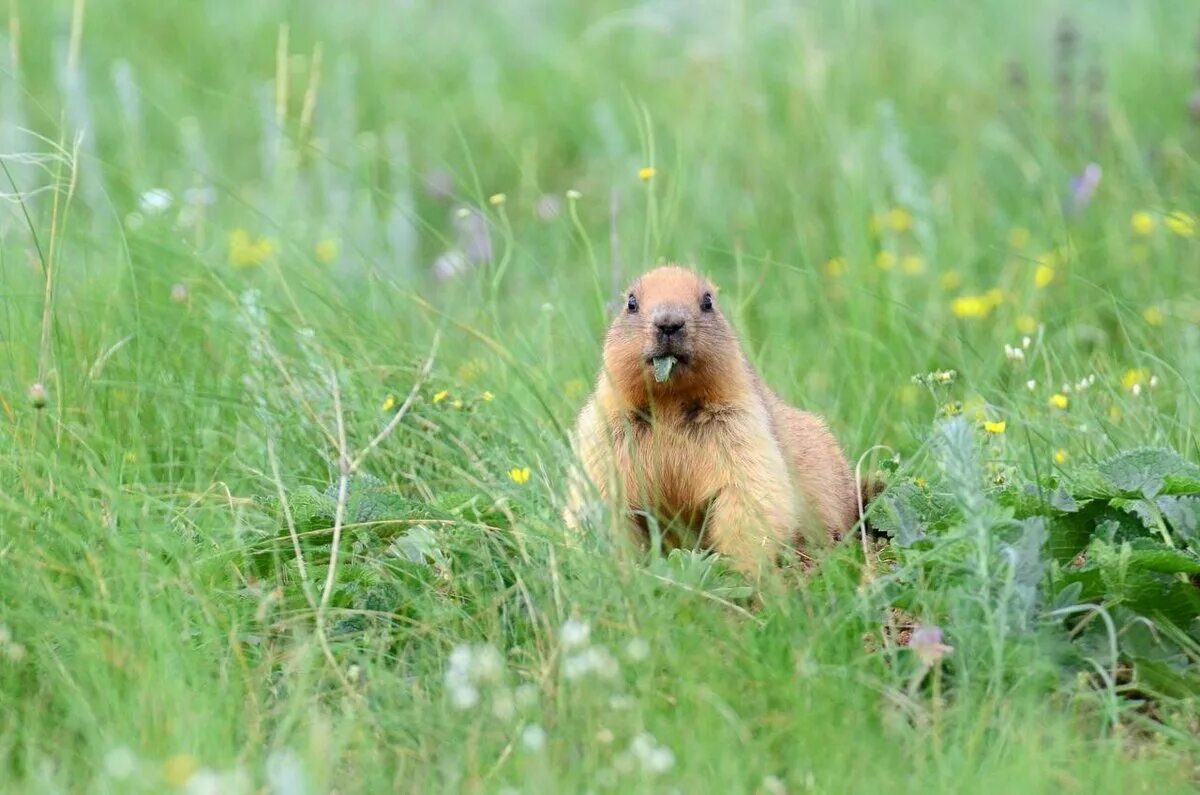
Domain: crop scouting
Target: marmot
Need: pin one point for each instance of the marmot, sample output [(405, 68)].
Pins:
[(681, 428)]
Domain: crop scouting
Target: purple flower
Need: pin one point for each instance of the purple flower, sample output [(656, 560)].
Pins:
[(927, 643), (1083, 188)]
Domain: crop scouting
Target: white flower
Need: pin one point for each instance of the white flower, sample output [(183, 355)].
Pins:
[(575, 633), (654, 758), (1031, 385), (1136, 389), (533, 737), (120, 762), (285, 773), (156, 201), (637, 649), (1026, 342), (574, 195)]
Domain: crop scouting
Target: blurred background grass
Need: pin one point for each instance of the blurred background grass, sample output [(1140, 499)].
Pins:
[(217, 211)]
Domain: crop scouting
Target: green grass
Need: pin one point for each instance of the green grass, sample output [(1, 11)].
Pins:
[(152, 614)]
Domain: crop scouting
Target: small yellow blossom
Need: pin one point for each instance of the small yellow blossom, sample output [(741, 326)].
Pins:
[(1142, 223), (247, 252), (1153, 315), (1027, 324), (1060, 456), (1134, 378), (885, 260), (389, 403), (995, 427), (952, 409), (994, 296), (440, 396), (179, 769), (456, 403), (487, 397), (912, 265), (130, 457), (497, 199), (1181, 223), (326, 250), (972, 306), (899, 219), (921, 482), (646, 173), (1019, 238), (1114, 414), (1059, 401), (1043, 276), (519, 475), (950, 280), (835, 267)]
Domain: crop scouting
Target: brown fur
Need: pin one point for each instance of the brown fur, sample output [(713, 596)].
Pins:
[(712, 449)]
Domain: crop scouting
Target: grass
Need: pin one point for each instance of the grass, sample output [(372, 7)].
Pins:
[(877, 196)]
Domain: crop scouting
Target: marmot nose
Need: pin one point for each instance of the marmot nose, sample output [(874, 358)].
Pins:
[(669, 324)]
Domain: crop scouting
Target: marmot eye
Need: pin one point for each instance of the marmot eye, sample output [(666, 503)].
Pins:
[(631, 304), (706, 304)]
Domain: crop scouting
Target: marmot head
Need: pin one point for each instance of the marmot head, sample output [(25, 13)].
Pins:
[(671, 340)]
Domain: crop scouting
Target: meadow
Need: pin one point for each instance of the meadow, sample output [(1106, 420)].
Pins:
[(298, 301)]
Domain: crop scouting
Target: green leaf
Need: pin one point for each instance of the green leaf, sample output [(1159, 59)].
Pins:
[(1146, 471)]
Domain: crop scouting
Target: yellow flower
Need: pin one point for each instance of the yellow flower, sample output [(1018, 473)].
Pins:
[(1019, 238), (497, 199), (1181, 223), (246, 252), (389, 403), (1059, 401), (995, 427), (131, 457), (440, 396), (835, 267), (950, 280), (1043, 276), (1142, 223), (994, 296), (1027, 324), (1153, 315), (456, 403), (1132, 378), (487, 397), (899, 219), (973, 306), (647, 173), (921, 482), (326, 250), (912, 265), (179, 769), (885, 260), (1060, 456), (519, 475)]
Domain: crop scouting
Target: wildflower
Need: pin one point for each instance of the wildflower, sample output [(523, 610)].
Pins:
[(1025, 343), (1019, 237), (1013, 353), (646, 173), (440, 396), (1027, 324), (120, 763), (1060, 456), (155, 201), (1083, 187), (1134, 378), (389, 403), (487, 396), (995, 427), (575, 633), (285, 773), (912, 265), (1153, 316), (1181, 223), (835, 267), (497, 199), (928, 645), (654, 758), (1031, 385), (1043, 276), (637, 649), (899, 219), (945, 376), (178, 769), (574, 195), (519, 475), (950, 280), (971, 306), (247, 252), (38, 396), (885, 260), (456, 403), (179, 293), (594, 659), (1059, 401), (1142, 223), (326, 250), (533, 737)]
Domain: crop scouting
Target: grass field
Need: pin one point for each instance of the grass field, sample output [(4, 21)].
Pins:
[(241, 238)]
